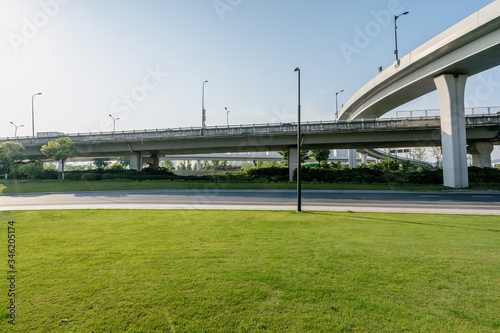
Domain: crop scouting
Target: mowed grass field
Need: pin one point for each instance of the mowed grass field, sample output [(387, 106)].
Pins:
[(229, 271)]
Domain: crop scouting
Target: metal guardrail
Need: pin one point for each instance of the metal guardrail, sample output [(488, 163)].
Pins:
[(475, 111), (260, 129)]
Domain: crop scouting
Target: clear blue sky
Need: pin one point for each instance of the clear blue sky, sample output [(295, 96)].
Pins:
[(87, 56)]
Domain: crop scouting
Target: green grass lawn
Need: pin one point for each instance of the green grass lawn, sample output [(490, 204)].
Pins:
[(229, 271), (13, 186)]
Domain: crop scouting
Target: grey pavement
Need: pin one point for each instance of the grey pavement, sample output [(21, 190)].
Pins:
[(453, 202)]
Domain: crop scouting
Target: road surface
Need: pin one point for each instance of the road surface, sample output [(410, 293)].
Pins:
[(482, 203)]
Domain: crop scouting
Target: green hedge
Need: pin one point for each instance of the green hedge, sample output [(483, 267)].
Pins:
[(372, 175), (379, 173), (273, 173)]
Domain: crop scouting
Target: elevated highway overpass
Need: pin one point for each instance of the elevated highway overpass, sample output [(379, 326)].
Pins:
[(442, 64), (149, 145)]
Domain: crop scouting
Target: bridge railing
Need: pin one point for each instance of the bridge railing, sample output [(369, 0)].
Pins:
[(263, 129), (475, 111)]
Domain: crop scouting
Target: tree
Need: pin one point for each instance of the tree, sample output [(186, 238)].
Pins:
[(320, 155), (303, 156), (10, 154), (167, 164), (101, 163), (125, 161), (60, 150), (116, 167), (438, 155), (32, 170), (419, 153)]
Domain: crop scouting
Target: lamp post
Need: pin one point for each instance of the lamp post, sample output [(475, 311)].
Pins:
[(33, 113), (337, 104), (227, 115), (16, 126), (299, 190), (114, 121), (203, 113), (396, 33)]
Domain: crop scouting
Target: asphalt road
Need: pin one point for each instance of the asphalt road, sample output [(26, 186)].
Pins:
[(483, 203)]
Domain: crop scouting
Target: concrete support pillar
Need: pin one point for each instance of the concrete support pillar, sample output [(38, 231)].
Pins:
[(292, 162), (135, 161), (198, 165), (352, 156), (156, 161), (364, 158), (453, 135), (153, 161), (481, 154)]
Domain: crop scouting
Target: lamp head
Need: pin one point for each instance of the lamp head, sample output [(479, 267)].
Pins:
[(405, 13), (297, 69)]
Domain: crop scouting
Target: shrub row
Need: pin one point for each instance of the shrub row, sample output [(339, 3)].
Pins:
[(362, 174), (370, 175)]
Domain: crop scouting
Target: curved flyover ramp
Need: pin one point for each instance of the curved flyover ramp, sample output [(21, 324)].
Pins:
[(444, 63), (468, 48)]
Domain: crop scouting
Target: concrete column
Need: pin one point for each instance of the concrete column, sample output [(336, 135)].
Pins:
[(481, 154), (156, 161), (352, 156), (364, 158), (292, 162), (453, 135), (198, 165), (135, 161)]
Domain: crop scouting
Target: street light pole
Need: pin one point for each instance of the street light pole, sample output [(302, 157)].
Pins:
[(396, 34), (16, 126), (203, 113), (227, 115), (33, 113), (114, 121), (337, 104), (299, 189)]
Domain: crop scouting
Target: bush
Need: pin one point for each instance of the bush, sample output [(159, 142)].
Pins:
[(75, 175), (108, 176), (268, 173), (91, 177), (484, 175), (31, 170), (236, 176), (49, 174)]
